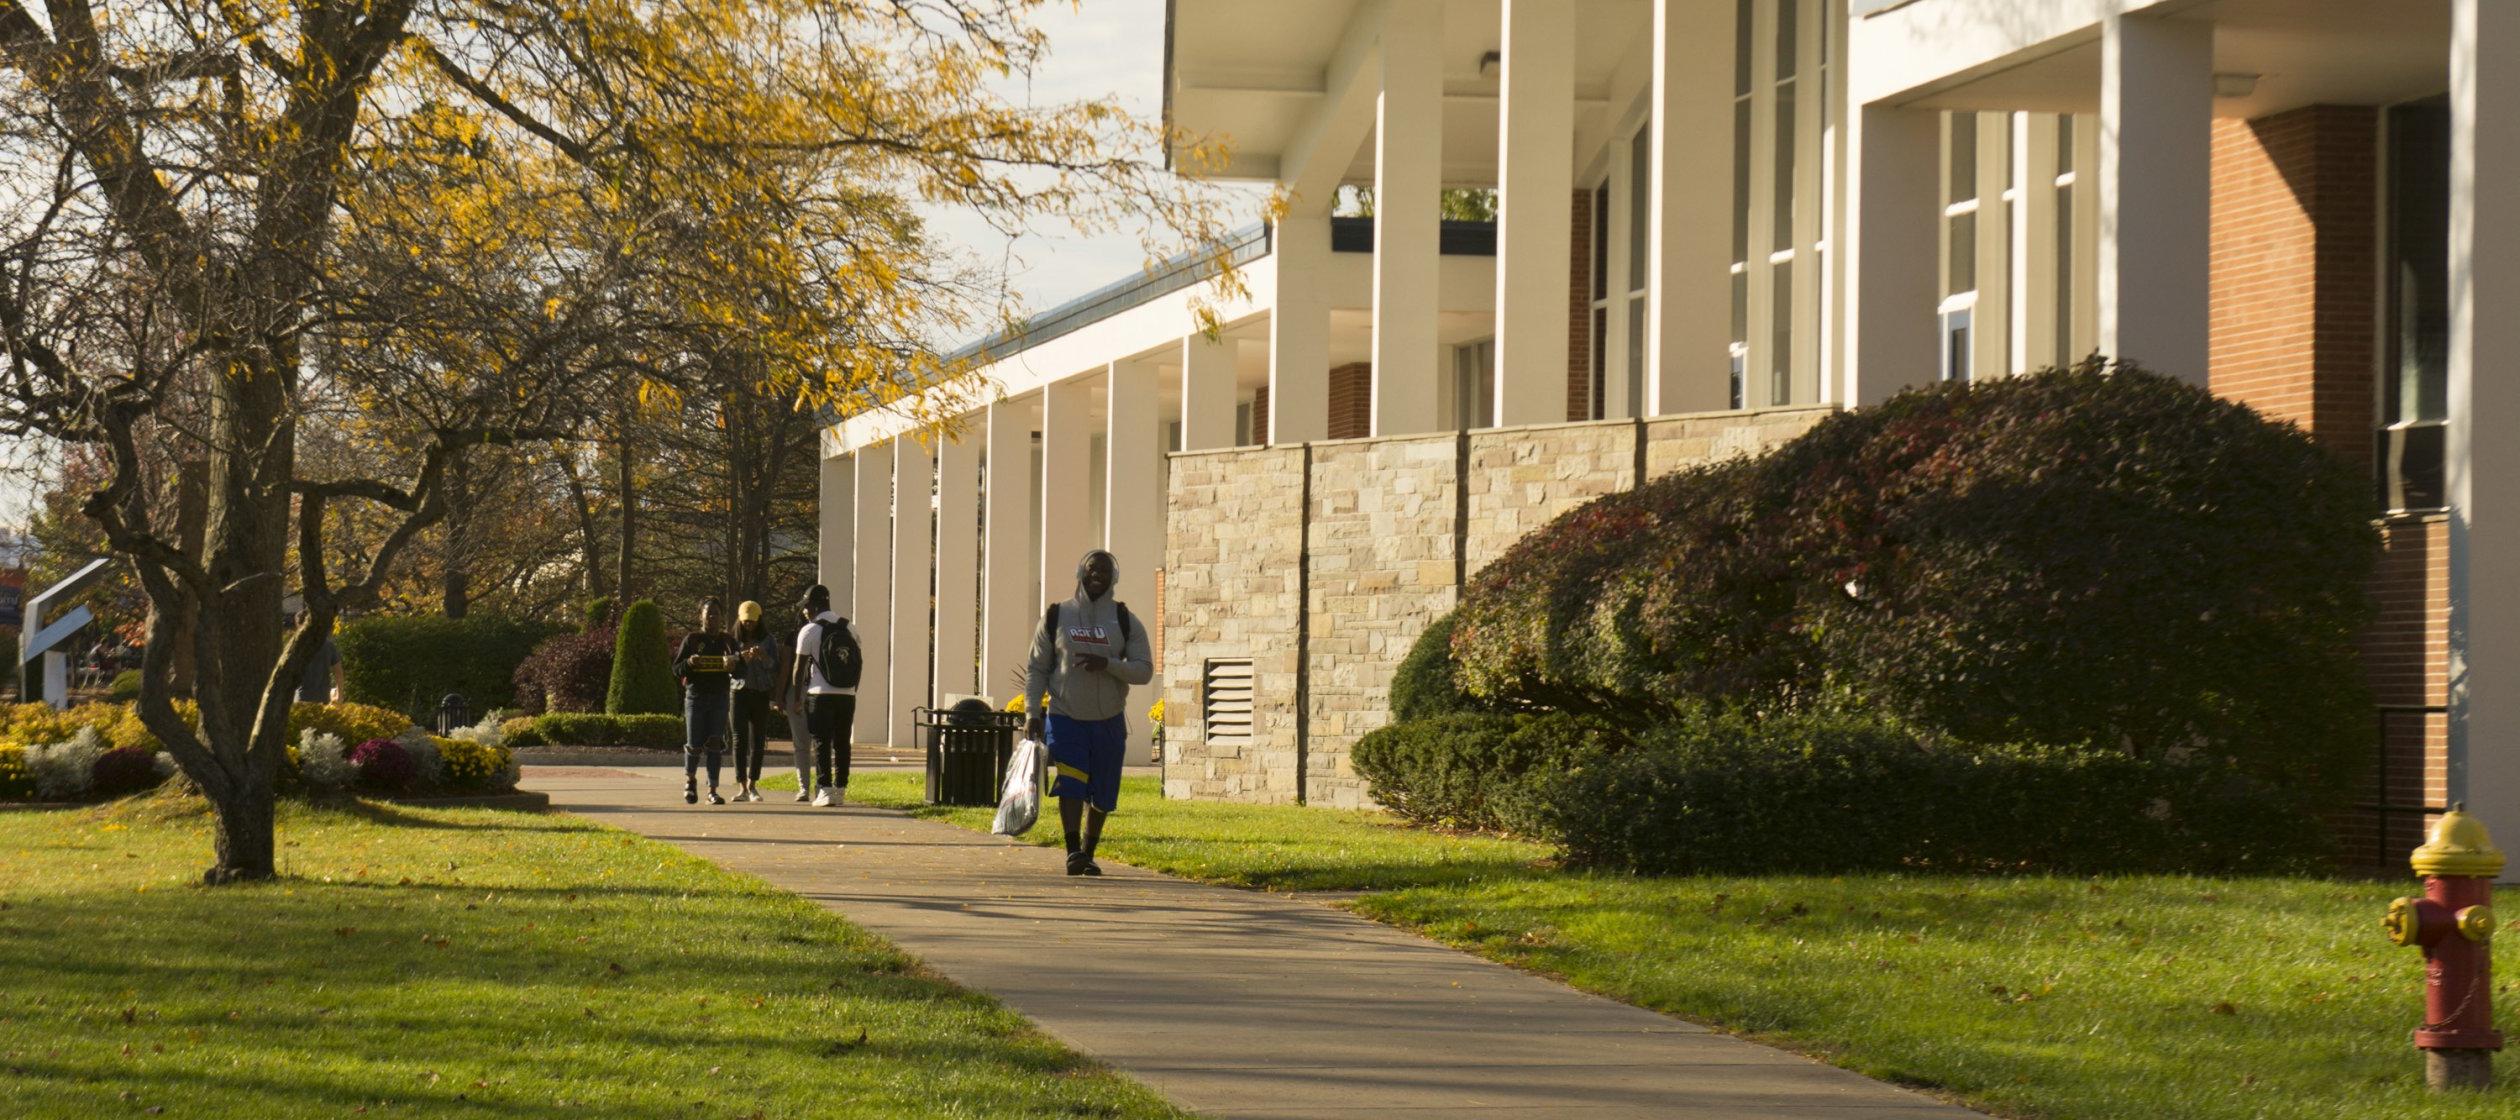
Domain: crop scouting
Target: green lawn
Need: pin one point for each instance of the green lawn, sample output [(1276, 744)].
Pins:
[(473, 963), (2132, 998)]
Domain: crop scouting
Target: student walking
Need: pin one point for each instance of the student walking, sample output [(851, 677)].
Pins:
[(756, 686), (703, 664), (1088, 652), (797, 705), (829, 659)]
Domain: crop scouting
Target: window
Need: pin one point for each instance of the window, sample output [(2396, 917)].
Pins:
[(2415, 367), (1958, 354), (1474, 385), (1600, 297)]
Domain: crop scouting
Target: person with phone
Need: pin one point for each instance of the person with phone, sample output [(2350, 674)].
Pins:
[(704, 666), (756, 679), (1086, 655)]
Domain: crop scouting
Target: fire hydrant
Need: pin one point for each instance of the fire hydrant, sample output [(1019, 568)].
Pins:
[(2454, 924)]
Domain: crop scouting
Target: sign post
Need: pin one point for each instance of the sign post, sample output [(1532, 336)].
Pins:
[(44, 668)]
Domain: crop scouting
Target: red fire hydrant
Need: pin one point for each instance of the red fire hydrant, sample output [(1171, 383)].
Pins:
[(2454, 923)]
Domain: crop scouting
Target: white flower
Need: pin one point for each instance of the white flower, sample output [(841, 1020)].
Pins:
[(322, 760), (65, 770), (486, 732), (428, 768)]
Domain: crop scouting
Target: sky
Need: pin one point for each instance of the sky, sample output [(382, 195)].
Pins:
[(1098, 49)]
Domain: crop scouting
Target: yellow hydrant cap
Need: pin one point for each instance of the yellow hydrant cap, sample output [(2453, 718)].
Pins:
[(2459, 847)]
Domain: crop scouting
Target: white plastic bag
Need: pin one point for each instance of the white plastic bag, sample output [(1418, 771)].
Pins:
[(1021, 805)]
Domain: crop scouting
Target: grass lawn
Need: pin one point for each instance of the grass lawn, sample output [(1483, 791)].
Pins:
[(473, 963), (2127, 998)]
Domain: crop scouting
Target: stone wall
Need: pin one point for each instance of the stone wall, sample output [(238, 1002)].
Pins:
[(1381, 563), (1233, 561), (1373, 537)]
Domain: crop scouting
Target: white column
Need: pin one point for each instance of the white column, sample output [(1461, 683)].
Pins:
[(1688, 241), (2484, 467), (1067, 529), (869, 604), (1299, 331), (2034, 244), (1619, 401), (1133, 511), (913, 567), (1894, 231), (1408, 182), (2156, 151), (1535, 168), (1013, 570), (958, 565), (837, 521), (1207, 393)]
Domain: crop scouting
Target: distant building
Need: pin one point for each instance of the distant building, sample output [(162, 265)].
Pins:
[(1720, 219)]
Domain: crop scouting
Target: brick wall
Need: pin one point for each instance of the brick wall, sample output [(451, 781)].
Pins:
[(2294, 269), (2294, 283), (1352, 400), (1374, 541)]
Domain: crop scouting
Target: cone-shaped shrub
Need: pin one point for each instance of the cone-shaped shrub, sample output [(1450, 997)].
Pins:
[(642, 668)]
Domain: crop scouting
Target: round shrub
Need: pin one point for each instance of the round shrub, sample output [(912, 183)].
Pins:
[(124, 770), (642, 668), (597, 614), (125, 687), (1477, 769), (1427, 683), (383, 765), (2097, 555), (569, 673)]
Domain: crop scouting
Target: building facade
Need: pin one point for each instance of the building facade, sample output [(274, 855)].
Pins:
[(1717, 220)]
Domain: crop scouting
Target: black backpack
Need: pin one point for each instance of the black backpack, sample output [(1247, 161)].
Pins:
[(838, 655), (1050, 625)]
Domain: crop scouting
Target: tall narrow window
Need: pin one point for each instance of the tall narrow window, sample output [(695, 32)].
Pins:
[(1600, 297), (1640, 189), (2415, 367), (1959, 244)]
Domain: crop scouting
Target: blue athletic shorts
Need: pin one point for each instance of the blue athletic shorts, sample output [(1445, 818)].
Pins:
[(1086, 755)]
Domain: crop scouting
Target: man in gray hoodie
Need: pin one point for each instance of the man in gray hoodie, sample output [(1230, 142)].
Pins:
[(1087, 653)]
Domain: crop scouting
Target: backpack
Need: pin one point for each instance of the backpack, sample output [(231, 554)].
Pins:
[(838, 656), (1050, 625)]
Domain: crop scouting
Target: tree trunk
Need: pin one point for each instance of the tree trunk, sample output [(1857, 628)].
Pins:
[(593, 561), (192, 508), (244, 837), (625, 587)]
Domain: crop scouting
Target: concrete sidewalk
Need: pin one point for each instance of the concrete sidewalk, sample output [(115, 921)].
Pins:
[(1235, 1003)]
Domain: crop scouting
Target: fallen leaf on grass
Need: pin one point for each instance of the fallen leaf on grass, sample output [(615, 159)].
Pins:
[(843, 1046), (2224, 1007)]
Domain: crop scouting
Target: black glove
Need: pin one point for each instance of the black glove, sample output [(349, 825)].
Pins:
[(1033, 728)]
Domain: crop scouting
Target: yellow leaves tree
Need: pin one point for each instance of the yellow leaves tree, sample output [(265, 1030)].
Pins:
[(389, 232)]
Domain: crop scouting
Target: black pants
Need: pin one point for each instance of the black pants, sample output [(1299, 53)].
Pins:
[(829, 718), (752, 732)]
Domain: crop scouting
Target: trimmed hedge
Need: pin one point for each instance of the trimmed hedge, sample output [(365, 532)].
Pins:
[(2098, 555), (642, 667), (1479, 770), (409, 662), (597, 729), (1824, 794)]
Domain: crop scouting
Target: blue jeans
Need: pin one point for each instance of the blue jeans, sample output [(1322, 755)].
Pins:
[(704, 731)]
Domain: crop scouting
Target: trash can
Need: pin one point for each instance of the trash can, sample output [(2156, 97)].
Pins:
[(967, 750)]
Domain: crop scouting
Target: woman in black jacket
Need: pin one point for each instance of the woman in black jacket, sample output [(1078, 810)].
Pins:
[(757, 665)]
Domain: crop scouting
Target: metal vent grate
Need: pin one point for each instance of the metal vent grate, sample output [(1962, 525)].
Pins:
[(1225, 696)]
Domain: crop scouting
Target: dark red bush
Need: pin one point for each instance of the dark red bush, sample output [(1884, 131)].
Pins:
[(124, 770), (568, 673), (384, 765)]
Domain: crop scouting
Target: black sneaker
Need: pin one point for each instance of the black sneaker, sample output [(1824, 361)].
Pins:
[(1077, 863), (1091, 868), (691, 793)]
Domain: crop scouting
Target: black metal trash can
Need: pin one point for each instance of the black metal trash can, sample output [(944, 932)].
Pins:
[(967, 750)]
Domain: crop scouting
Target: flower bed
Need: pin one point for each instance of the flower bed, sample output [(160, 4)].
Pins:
[(96, 752)]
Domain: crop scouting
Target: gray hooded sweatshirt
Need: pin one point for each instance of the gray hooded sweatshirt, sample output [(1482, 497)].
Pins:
[(1088, 625)]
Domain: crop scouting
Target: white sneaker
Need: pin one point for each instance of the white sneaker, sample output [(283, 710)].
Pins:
[(803, 795), (749, 794), (823, 800)]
